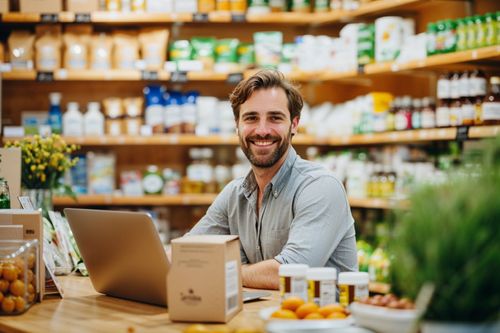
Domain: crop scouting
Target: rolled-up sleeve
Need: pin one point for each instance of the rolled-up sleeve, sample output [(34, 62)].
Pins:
[(322, 219), (215, 221)]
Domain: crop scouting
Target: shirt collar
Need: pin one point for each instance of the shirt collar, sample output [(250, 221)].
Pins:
[(279, 180)]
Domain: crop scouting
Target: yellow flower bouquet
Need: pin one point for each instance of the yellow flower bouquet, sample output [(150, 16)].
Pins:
[(44, 161)]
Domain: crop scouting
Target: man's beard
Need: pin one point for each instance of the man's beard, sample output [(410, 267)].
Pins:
[(274, 156)]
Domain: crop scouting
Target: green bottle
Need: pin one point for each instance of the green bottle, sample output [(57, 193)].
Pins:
[(4, 194), (450, 44), (480, 31), (490, 29), (461, 35), (497, 28), (440, 37), (471, 33)]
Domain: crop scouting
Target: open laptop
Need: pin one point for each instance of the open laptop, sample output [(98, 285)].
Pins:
[(122, 252)]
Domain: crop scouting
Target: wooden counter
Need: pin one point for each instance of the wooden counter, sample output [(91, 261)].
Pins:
[(85, 310)]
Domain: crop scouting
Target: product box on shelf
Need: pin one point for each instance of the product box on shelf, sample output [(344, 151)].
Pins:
[(40, 6), (82, 6), (204, 281), (10, 170), (31, 221), (4, 6)]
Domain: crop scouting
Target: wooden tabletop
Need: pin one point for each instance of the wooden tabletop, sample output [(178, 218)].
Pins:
[(85, 310)]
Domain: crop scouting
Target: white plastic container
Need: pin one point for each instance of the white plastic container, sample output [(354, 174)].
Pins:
[(73, 121), (389, 37), (293, 281), (321, 283), (353, 286), (93, 120)]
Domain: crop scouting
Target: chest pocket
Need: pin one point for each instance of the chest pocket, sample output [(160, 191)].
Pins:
[(273, 241)]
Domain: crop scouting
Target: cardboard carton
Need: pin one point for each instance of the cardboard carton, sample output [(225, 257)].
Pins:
[(82, 6), (4, 6), (31, 221), (10, 169), (40, 6), (204, 280)]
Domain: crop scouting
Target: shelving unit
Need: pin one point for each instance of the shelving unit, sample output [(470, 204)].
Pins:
[(425, 10), (411, 136), (442, 60), (370, 8), (191, 200)]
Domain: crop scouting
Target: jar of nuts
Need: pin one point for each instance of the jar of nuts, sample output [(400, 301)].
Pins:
[(18, 276)]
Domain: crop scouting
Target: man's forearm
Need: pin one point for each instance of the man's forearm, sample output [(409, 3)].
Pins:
[(262, 275)]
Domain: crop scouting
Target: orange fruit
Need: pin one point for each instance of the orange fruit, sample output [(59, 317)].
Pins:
[(336, 315), (305, 309), (292, 303), (284, 314), (314, 316), (327, 309)]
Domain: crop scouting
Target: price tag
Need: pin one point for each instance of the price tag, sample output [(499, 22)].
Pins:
[(462, 133), (45, 76), (49, 18), (83, 18), (238, 18), (200, 17), (178, 77), (149, 75), (234, 78)]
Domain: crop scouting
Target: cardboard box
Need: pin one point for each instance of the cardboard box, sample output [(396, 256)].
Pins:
[(10, 169), (4, 6), (82, 6), (204, 280), (40, 6), (32, 229)]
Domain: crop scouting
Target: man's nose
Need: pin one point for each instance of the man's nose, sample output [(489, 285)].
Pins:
[(262, 128)]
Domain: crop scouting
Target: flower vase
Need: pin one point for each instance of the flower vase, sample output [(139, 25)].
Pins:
[(40, 198)]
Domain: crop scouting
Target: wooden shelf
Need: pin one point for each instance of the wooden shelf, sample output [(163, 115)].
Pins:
[(147, 200), (371, 8), (490, 52), (412, 136), (181, 200), (441, 60), (377, 203)]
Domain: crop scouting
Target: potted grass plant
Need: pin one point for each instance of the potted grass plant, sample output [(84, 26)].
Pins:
[(451, 238)]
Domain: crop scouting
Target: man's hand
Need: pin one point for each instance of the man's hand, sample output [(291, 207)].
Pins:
[(262, 275)]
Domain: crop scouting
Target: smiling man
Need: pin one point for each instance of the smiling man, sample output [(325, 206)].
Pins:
[(286, 210)]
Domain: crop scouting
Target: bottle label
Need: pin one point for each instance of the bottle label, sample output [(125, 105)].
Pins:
[(455, 89), (428, 119), (468, 113), (154, 115), (456, 116), (443, 116), (443, 89), (400, 121), (464, 88), (173, 116), (477, 86), (152, 183), (491, 111)]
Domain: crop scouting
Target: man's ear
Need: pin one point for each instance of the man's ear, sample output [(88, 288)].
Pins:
[(295, 125)]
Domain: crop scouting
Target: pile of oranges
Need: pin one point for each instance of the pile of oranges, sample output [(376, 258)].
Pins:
[(295, 308)]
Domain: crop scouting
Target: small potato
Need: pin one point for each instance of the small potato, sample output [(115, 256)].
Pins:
[(4, 285), (17, 288), (10, 272), (8, 304), (20, 304)]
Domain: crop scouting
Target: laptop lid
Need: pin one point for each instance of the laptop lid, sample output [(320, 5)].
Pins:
[(122, 252)]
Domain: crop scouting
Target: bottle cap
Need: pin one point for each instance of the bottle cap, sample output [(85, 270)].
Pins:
[(293, 270), (55, 98), (93, 106), (72, 106), (321, 273), (354, 278)]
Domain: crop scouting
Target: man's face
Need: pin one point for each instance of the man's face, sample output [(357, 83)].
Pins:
[(265, 128)]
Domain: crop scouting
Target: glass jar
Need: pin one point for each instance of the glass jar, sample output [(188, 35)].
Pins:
[(18, 283), (4, 194)]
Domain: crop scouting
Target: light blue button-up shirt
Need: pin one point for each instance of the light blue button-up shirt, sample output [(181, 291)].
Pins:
[(304, 218)]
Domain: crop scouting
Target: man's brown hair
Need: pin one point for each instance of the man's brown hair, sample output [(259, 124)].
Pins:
[(266, 79)]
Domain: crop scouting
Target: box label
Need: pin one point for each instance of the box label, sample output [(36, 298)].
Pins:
[(231, 286)]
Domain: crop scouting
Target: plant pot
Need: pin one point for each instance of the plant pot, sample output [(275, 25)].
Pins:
[(460, 327), (40, 198)]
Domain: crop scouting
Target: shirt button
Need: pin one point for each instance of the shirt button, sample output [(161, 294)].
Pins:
[(258, 247), (275, 193)]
